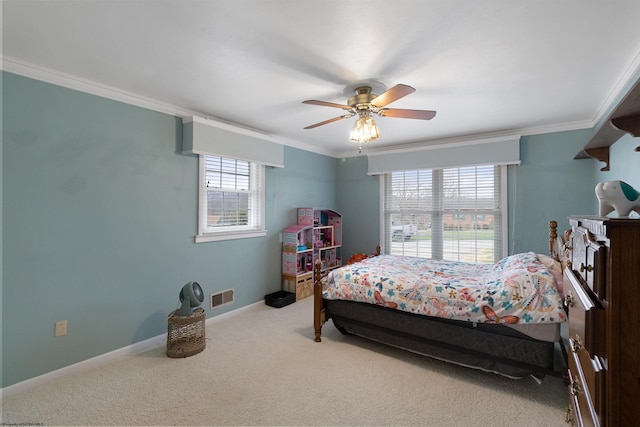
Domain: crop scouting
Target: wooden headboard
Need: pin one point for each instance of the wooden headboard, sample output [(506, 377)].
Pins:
[(558, 244), (554, 250)]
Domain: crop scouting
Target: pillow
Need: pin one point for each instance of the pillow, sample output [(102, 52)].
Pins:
[(556, 269)]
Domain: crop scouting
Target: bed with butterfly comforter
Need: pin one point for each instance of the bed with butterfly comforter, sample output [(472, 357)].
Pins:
[(503, 317)]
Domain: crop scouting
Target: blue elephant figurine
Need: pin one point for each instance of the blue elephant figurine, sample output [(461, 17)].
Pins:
[(618, 196)]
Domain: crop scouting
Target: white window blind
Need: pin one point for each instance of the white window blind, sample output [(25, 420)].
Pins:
[(231, 198), (454, 214)]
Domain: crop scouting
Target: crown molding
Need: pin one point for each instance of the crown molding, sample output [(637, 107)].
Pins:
[(76, 83), (86, 86), (472, 139), (626, 80)]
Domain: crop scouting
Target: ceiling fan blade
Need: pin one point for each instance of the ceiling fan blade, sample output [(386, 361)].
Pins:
[(393, 94), (326, 104), (407, 114), (335, 119)]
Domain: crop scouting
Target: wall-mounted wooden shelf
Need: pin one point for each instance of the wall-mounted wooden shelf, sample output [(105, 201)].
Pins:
[(625, 118)]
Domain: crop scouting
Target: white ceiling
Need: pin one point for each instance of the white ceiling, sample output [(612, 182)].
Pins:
[(488, 67)]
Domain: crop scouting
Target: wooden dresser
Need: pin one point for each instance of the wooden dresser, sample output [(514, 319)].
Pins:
[(602, 293)]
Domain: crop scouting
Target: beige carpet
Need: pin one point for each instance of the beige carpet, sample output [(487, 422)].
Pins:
[(262, 367)]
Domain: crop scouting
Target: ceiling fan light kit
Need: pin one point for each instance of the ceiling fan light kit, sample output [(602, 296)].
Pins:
[(364, 130), (365, 102)]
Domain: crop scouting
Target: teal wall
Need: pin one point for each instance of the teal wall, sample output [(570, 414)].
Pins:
[(358, 201), (548, 184), (624, 164), (100, 212), (99, 215)]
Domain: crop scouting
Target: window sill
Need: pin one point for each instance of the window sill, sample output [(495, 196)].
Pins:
[(216, 237)]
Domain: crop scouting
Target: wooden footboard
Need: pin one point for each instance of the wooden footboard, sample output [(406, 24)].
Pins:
[(319, 309)]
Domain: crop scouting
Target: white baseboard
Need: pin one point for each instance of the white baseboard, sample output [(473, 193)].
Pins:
[(131, 350)]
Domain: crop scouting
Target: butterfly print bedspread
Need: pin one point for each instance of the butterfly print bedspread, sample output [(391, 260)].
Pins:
[(517, 289)]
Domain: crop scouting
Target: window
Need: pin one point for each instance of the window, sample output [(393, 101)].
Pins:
[(231, 200), (456, 214)]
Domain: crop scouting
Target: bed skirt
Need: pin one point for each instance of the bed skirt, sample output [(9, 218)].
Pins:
[(490, 347)]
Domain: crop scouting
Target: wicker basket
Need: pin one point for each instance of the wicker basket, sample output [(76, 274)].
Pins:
[(186, 334)]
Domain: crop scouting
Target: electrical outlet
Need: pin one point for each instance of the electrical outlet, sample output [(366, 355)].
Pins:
[(61, 328)]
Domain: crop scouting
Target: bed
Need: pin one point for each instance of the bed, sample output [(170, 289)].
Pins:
[(504, 317)]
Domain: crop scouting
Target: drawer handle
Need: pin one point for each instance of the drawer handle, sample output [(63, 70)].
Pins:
[(575, 388), (569, 301), (589, 268), (568, 416), (576, 344)]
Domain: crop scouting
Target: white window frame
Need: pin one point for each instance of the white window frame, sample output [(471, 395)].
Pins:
[(500, 246), (256, 228)]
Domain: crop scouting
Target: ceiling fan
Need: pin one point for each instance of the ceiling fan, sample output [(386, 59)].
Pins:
[(364, 103)]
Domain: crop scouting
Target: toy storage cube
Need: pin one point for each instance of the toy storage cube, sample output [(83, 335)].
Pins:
[(301, 285)]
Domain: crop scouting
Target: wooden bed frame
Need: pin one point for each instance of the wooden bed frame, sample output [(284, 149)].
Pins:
[(489, 347)]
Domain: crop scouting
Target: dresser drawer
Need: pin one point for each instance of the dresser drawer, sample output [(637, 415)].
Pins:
[(582, 411), (586, 349), (588, 260), (589, 372), (586, 317)]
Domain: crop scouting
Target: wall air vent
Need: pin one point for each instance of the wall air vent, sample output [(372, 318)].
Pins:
[(221, 298)]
